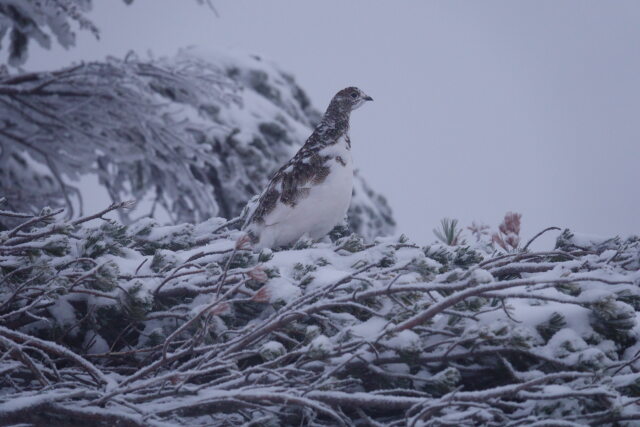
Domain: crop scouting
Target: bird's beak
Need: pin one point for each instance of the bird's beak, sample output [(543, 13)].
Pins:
[(368, 98)]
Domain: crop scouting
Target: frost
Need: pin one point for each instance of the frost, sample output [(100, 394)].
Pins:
[(482, 276), (95, 344), (405, 341), (565, 342), (370, 329), (272, 350), (149, 324), (320, 347), (39, 20), (189, 137), (281, 289)]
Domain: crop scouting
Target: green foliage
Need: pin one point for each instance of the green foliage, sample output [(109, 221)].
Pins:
[(453, 257), (472, 304), (148, 236), (572, 289), (213, 270), (632, 389), (302, 273), (443, 382), (136, 302), (568, 242), (240, 260), (422, 267), (265, 255), (56, 246), (106, 277), (351, 243), (614, 320), (449, 232), (629, 297), (548, 328), (272, 350), (304, 243), (465, 257), (388, 259), (340, 231), (107, 239), (163, 260), (381, 318)]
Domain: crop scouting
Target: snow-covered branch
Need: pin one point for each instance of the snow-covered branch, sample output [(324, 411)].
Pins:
[(188, 137), (335, 333)]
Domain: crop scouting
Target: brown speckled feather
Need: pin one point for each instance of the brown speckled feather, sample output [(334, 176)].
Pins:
[(309, 167)]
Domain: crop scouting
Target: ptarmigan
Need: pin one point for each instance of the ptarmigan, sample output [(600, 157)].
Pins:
[(311, 193)]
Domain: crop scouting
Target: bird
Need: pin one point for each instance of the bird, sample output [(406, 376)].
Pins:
[(311, 193)]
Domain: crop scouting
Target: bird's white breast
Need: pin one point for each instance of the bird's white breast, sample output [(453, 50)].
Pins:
[(316, 214)]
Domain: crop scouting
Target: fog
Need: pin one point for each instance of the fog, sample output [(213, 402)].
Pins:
[(480, 107)]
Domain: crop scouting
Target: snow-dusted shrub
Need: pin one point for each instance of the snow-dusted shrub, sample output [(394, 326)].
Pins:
[(27, 20), (23, 21), (143, 324), (189, 137)]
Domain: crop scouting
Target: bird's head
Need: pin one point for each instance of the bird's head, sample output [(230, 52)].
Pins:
[(350, 98)]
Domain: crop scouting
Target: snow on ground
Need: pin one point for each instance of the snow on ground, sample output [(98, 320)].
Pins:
[(168, 325)]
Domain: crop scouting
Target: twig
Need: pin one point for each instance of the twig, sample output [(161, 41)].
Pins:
[(538, 235)]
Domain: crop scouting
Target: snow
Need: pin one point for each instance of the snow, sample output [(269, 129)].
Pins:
[(322, 328), (482, 276), (405, 341), (215, 126), (114, 319), (25, 402), (281, 289), (95, 344), (586, 240), (321, 343), (565, 342), (369, 329), (316, 214), (63, 313), (271, 350), (326, 276)]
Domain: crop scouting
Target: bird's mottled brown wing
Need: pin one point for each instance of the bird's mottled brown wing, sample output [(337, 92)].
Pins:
[(291, 183)]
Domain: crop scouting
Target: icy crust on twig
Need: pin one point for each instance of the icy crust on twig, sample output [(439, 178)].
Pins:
[(107, 324)]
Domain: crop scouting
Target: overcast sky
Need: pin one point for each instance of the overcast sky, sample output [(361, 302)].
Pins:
[(480, 107)]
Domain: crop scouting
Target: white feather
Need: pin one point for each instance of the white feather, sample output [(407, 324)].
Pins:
[(315, 215)]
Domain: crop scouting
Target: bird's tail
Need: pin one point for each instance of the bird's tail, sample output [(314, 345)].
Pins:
[(248, 211)]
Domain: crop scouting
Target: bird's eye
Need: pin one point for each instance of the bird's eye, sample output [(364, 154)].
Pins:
[(354, 95)]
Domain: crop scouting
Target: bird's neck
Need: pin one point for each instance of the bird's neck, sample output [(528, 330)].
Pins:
[(334, 125), (336, 119), (338, 124)]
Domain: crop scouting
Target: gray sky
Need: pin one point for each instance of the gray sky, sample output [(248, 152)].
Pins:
[(480, 107)]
